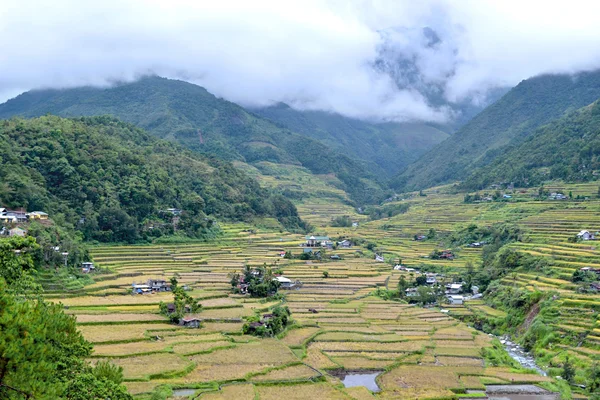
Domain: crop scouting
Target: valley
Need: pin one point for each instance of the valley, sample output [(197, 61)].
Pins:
[(422, 352)]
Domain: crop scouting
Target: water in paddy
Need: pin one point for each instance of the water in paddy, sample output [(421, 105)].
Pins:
[(519, 392), (183, 392), (361, 379)]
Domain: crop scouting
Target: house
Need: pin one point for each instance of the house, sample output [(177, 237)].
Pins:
[(189, 322), (37, 215), (411, 292), (335, 257), (267, 317), (282, 254), (475, 244), (455, 299), (4, 217), (345, 243), (585, 235), (285, 283), (174, 211), (15, 215), (557, 196), (431, 279), (315, 241), (475, 289), (507, 196), (159, 285), (355, 224), (454, 288), (87, 267), (595, 286), (141, 289), (379, 258), (447, 254), (420, 237), (399, 267), (171, 308), (17, 232)]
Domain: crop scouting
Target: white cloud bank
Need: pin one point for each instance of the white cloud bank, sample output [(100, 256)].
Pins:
[(310, 54)]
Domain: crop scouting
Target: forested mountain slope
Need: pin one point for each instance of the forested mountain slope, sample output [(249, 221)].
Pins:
[(193, 117), (389, 147), (532, 103), (567, 149), (113, 181)]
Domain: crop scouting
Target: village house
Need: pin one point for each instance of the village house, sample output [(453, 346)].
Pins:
[(557, 196), (174, 211), (17, 232), (39, 215), (335, 257), (141, 289), (447, 254), (14, 216), (345, 243), (379, 258), (190, 322), (411, 292), (585, 235), (355, 224), (285, 283), (316, 241), (159, 285), (420, 237), (431, 279), (454, 288), (455, 299), (87, 267)]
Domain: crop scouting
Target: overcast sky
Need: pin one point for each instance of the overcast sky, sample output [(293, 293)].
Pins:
[(310, 54)]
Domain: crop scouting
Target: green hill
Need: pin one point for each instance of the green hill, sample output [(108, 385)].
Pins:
[(387, 147), (532, 103), (113, 181), (567, 149), (188, 114)]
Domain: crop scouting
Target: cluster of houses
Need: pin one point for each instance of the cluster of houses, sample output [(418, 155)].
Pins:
[(284, 283), (19, 216), (453, 291), (151, 286)]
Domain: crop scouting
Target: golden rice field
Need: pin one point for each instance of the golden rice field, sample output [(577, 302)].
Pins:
[(422, 353)]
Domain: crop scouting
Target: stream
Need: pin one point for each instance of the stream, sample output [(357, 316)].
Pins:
[(520, 355)]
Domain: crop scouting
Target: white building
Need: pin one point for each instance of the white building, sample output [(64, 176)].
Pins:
[(455, 299), (585, 235)]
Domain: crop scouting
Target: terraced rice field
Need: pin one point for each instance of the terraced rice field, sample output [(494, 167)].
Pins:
[(423, 353)]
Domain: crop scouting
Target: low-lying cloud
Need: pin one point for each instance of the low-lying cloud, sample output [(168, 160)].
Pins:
[(382, 60)]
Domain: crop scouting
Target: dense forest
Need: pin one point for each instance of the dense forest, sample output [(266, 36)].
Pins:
[(114, 182), (566, 149), (188, 114), (531, 104), (387, 147)]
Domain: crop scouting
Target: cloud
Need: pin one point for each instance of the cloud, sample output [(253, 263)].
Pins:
[(365, 59)]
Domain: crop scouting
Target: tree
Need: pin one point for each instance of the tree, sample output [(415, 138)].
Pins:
[(87, 386), (325, 274), (421, 280), (568, 371), (17, 263), (425, 295)]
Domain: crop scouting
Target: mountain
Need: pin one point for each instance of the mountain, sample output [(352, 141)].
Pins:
[(189, 115), (566, 149), (532, 103), (113, 182), (386, 147)]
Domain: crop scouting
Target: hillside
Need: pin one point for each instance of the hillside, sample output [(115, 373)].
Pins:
[(111, 180), (532, 103), (567, 149), (188, 114), (388, 147)]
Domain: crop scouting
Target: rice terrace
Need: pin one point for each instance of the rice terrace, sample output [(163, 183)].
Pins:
[(342, 319), (290, 200)]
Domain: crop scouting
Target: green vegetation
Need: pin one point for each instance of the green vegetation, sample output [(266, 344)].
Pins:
[(42, 354), (566, 149), (386, 147), (189, 115), (113, 182), (183, 303), (531, 104), (270, 324)]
